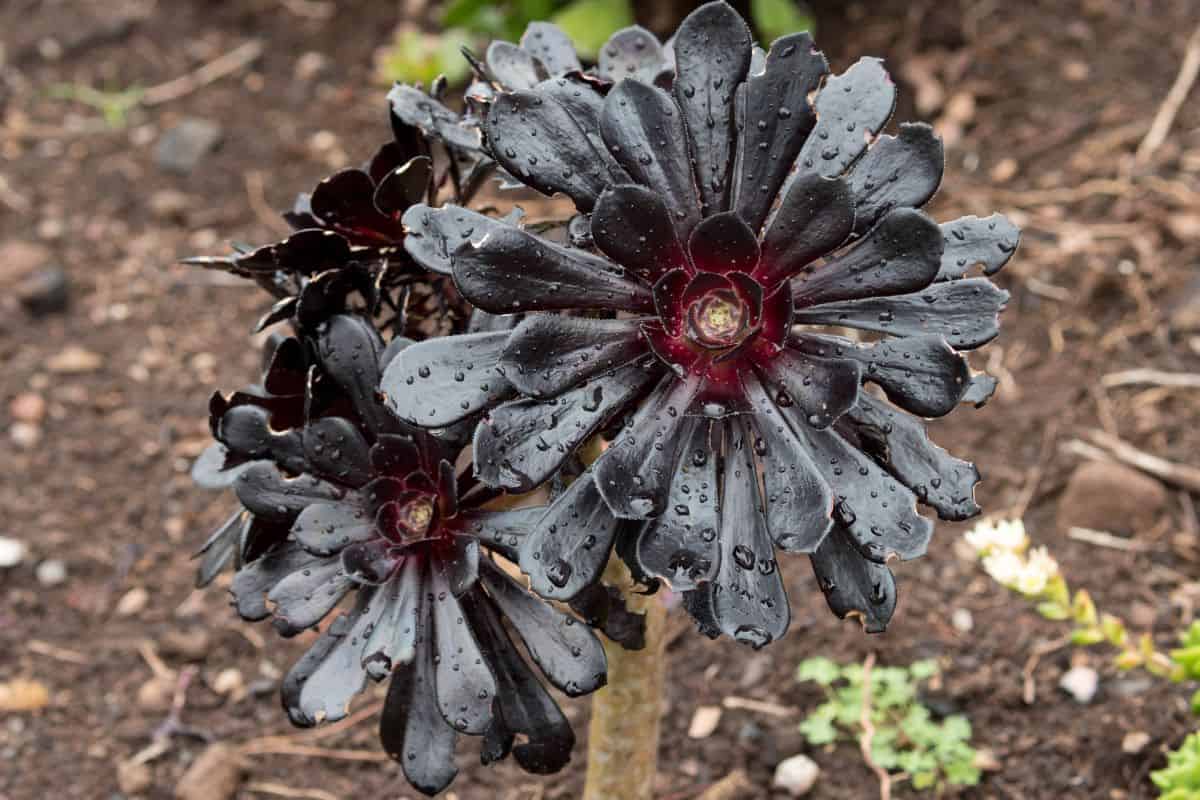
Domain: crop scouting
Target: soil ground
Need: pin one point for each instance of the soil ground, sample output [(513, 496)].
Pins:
[(1042, 103)]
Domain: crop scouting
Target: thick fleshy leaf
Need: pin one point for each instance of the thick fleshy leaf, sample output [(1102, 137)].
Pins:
[(900, 444), (514, 67), (748, 599), (921, 374), (521, 444), (252, 582), (325, 528), (510, 270), (632, 226), (392, 456), (813, 219), (216, 467), (336, 450), (501, 531), (248, 432), (322, 683), (634, 474), (712, 57), (348, 348), (799, 503), (546, 145), (433, 234), (965, 312), (989, 241), (820, 388), (404, 186), (603, 608), (523, 706), (854, 586), (568, 547), (646, 133), (411, 728), (304, 598), (372, 562), (724, 243), (897, 171), (777, 119), (268, 493), (632, 52), (465, 684), (548, 354), (877, 510), (413, 107), (668, 300), (552, 47), (567, 652), (900, 255), (680, 546), (440, 381), (220, 548), (459, 562), (982, 387), (345, 201), (851, 110), (393, 641)]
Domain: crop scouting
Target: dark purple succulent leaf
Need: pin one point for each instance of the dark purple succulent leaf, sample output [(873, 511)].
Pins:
[(548, 354), (632, 52), (965, 312), (345, 202), (393, 455), (877, 510), (799, 503), (483, 322), (523, 706), (989, 241), (390, 156), (522, 444), (851, 110), (722, 243), (982, 388), (544, 142), (632, 226), (565, 650), (776, 120), (680, 546), (459, 562), (447, 489), (465, 684), (750, 292), (514, 67), (336, 450), (634, 474), (921, 374), (897, 171), (411, 728), (304, 598), (500, 531), (433, 234), (370, 563), (393, 640), (257, 537), (268, 493), (820, 387), (645, 131), (551, 45), (413, 107), (328, 293), (252, 582), (217, 467), (568, 547), (440, 381), (404, 186), (219, 549), (668, 293), (247, 430), (603, 607), (286, 370), (899, 255), (326, 528), (747, 597), (853, 585), (278, 312), (323, 649), (712, 58), (899, 443), (510, 270), (348, 348), (393, 349)]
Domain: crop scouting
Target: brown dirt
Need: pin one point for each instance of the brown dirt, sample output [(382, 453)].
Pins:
[(1065, 89)]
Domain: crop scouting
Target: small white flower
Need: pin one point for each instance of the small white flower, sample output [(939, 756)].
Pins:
[(993, 536), (1005, 567)]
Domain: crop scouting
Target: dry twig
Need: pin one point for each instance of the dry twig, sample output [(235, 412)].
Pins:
[(1029, 686), (1106, 539), (202, 76), (280, 790), (1153, 377), (868, 731), (1189, 69), (1175, 474), (747, 704)]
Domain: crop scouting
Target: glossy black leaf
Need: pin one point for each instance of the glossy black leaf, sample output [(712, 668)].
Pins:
[(897, 171), (548, 354), (345, 201), (393, 641), (404, 186), (501, 531), (335, 449), (325, 528), (268, 493), (514, 67), (320, 689), (465, 684), (216, 467), (980, 391), (304, 598), (712, 57), (632, 226), (440, 381), (632, 52), (722, 242), (252, 582), (552, 46), (776, 120), (370, 563), (220, 549), (820, 387), (433, 234), (851, 109), (413, 107), (603, 608), (989, 241), (813, 219), (853, 585), (348, 349)]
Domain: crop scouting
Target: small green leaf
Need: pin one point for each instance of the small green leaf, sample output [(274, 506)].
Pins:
[(818, 731), (818, 670), (589, 23), (775, 18)]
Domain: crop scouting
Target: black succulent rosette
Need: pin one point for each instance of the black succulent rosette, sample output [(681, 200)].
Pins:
[(736, 227), (344, 505)]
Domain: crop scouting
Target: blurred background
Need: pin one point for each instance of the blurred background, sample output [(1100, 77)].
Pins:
[(136, 132)]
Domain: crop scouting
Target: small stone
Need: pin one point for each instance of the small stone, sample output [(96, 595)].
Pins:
[(214, 775), (1080, 683), (133, 602), (754, 670), (156, 693), (46, 291), (1184, 226), (704, 722), (12, 552), (170, 205), (25, 435), (309, 65), (181, 148), (23, 695), (73, 360), (229, 682), (28, 407), (190, 645), (1135, 742), (18, 259), (133, 777), (51, 572), (962, 620), (1111, 497), (796, 775), (1004, 171), (1076, 71)]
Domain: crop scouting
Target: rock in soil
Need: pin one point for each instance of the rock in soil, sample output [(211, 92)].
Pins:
[(51, 572), (12, 552), (25, 435), (214, 775), (18, 259), (796, 775), (1080, 683), (1135, 742), (133, 777), (181, 148), (28, 407), (1110, 497), (46, 291), (73, 360)]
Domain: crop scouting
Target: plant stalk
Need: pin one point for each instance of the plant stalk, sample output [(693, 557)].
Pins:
[(622, 754)]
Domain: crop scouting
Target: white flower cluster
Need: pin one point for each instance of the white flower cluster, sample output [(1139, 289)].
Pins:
[(1003, 547)]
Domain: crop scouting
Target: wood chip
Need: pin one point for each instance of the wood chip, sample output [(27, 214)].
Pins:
[(23, 695), (704, 722), (214, 775)]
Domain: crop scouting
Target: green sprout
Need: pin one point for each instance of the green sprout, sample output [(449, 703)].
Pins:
[(114, 105), (1180, 779)]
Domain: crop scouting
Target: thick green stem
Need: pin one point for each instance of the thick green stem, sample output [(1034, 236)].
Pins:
[(623, 736)]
